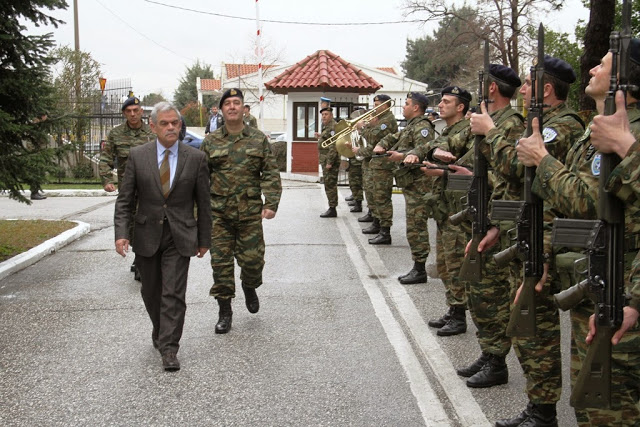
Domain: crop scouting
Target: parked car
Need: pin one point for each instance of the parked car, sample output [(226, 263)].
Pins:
[(193, 139), (402, 123), (277, 136)]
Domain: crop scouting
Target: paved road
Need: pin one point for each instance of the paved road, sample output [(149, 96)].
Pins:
[(337, 341)]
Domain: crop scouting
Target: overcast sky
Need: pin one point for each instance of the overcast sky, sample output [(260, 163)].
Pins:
[(153, 44)]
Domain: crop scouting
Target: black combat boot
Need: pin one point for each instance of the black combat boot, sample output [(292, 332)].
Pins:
[(374, 228), (366, 218), (494, 372), (518, 419), (351, 203), (383, 238), (349, 198), (224, 321), (418, 274), (251, 299), (357, 206), (441, 321), (457, 323), (330, 213), (475, 367), (542, 415)]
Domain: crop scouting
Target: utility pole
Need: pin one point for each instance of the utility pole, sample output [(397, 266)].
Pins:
[(77, 66)]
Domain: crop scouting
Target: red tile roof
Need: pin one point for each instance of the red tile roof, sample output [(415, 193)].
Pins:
[(235, 70), (387, 69), (210, 84), (324, 71)]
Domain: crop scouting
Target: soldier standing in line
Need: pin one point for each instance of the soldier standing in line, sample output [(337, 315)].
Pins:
[(539, 355), (329, 160), (414, 184), (354, 174), (572, 188), (242, 169), (451, 240), (380, 176), (120, 140), (248, 119)]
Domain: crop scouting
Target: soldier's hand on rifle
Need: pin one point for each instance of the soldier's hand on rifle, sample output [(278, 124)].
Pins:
[(531, 150), (610, 134), (481, 123), (379, 150), (444, 156), (431, 172), (411, 158), (539, 285), (355, 149), (459, 170), (629, 320), (396, 156), (488, 241)]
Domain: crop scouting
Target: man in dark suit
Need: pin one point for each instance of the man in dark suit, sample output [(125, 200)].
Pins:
[(216, 120), (168, 178)]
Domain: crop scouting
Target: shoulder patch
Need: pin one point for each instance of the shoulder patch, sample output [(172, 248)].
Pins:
[(383, 126), (549, 134), (333, 132), (595, 165), (424, 132)]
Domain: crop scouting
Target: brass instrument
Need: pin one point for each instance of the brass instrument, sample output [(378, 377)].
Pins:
[(346, 133)]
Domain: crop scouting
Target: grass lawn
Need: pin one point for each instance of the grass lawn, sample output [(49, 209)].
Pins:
[(72, 186), (17, 236)]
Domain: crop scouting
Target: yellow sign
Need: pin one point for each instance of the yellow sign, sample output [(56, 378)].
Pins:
[(103, 83)]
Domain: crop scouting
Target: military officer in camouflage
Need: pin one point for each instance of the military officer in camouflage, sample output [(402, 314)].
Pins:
[(539, 355), (572, 189), (354, 175), (451, 240), (329, 161), (379, 177), (414, 184), (242, 169), (249, 120)]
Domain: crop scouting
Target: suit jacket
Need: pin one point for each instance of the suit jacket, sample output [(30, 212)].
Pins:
[(190, 186), (219, 119)]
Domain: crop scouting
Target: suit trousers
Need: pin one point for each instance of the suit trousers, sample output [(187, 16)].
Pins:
[(164, 287)]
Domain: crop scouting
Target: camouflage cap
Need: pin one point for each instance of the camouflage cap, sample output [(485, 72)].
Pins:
[(130, 101)]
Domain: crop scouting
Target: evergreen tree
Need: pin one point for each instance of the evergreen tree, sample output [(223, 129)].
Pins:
[(187, 91)]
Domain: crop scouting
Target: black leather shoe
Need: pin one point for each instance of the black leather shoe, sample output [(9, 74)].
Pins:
[(330, 213), (351, 203), (357, 206), (349, 198), (494, 372), (170, 362), (38, 196), (224, 320), (133, 267), (366, 218), (441, 321), (414, 277), (251, 299), (374, 228), (542, 415), (457, 324), (475, 367), (136, 275), (383, 238), (518, 419)]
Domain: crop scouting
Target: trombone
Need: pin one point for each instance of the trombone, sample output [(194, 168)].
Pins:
[(347, 132)]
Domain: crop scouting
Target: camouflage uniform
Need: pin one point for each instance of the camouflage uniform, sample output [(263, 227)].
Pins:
[(573, 190), (120, 141), (539, 356), (414, 184), (381, 170), (451, 240), (330, 156), (242, 169), (355, 178), (250, 121)]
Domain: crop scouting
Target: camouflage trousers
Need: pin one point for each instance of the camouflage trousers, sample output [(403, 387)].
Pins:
[(488, 303), (417, 216), (382, 183), (450, 245), (355, 178), (540, 356), (625, 374), (367, 184), (331, 182), (242, 240)]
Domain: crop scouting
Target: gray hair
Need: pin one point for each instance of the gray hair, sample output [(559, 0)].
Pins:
[(162, 107)]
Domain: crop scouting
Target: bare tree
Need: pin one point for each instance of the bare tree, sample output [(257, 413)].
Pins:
[(505, 22)]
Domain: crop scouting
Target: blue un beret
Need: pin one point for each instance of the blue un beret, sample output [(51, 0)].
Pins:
[(323, 99), (419, 98), (458, 92), (229, 93), (505, 75), (130, 101), (559, 69)]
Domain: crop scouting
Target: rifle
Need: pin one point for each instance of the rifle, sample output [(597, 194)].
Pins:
[(423, 166), (528, 213), (603, 240), (478, 195)]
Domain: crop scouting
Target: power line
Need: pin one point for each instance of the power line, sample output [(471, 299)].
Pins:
[(274, 21)]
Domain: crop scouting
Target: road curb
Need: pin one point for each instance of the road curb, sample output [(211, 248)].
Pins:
[(34, 255)]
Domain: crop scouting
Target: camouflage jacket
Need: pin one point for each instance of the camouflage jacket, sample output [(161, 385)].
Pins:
[(242, 169), (328, 155), (386, 125), (250, 121), (419, 131), (120, 141)]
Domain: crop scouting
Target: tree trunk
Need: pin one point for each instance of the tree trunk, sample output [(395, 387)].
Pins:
[(596, 44)]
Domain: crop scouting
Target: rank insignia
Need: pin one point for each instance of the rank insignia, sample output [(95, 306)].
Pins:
[(424, 132), (595, 165)]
